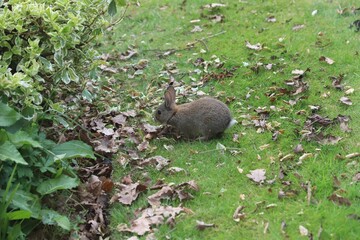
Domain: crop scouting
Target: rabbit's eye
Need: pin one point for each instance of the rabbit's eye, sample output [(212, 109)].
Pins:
[(158, 112)]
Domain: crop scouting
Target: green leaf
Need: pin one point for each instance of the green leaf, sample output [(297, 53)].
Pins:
[(52, 217), (8, 151), (46, 63), (65, 76), (21, 138), (112, 8), (74, 149), (8, 115), (60, 183), (72, 75), (59, 58), (18, 215), (25, 201)]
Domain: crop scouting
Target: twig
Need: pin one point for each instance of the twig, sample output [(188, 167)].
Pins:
[(309, 193)]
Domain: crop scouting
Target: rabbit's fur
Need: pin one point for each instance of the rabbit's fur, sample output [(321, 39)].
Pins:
[(204, 118)]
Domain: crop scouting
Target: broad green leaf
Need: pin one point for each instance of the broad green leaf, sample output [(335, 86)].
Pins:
[(112, 8), (8, 151), (18, 215), (52, 217), (21, 138), (74, 149), (8, 115), (26, 201), (55, 184)]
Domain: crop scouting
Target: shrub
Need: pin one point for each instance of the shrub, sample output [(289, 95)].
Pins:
[(47, 43)]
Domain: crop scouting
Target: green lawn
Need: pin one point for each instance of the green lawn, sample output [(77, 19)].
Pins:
[(158, 26)]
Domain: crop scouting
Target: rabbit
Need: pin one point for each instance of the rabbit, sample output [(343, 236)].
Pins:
[(204, 118)]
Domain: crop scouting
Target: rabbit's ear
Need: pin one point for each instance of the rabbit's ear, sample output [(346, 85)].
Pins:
[(170, 97)]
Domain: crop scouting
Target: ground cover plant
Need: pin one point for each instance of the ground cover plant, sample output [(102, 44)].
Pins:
[(289, 72)]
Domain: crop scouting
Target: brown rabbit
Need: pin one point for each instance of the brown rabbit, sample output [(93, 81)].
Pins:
[(204, 118)]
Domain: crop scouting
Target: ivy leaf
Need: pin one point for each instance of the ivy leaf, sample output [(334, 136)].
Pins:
[(55, 184), (74, 149), (8, 151), (8, 115), (112, 8)]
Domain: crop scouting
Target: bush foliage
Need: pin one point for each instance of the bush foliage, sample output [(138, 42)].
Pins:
[(44, 45)]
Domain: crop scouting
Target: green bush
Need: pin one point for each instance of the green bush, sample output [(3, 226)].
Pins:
[(44, 46), (32, 167), (48, 43)]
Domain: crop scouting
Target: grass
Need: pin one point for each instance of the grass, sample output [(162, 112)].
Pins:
[(153, 31)]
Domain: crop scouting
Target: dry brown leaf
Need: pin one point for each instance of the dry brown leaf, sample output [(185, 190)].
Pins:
[(166, 192), (346, 101), (257, 175), (327, 60), (128, 193), (271, 19), (238, 214), (214, 5), (256, 47), (200, 225), (303, 231), (298, 27), (339, 200), (159, 161)]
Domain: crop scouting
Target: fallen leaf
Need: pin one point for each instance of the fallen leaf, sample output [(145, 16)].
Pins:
[(166, 192), (298, 27), (346, 101), (128, 54), (214, 5), (256, 47), (119, 119), (263, 147), (200, 225), (303, 231), (217, 18), (329, 139), (305, 156), (238, 214), (143, 146), (344, 123), (298, 149), (257, 175), (266, 227), (327, 60), (339, 200), (128, 193), (196, 29), (173, 170), (271, 19), (353, 155), (159, 161), (297, 72)]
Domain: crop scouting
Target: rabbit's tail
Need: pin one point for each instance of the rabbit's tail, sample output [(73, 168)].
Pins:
[(231, 123)]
